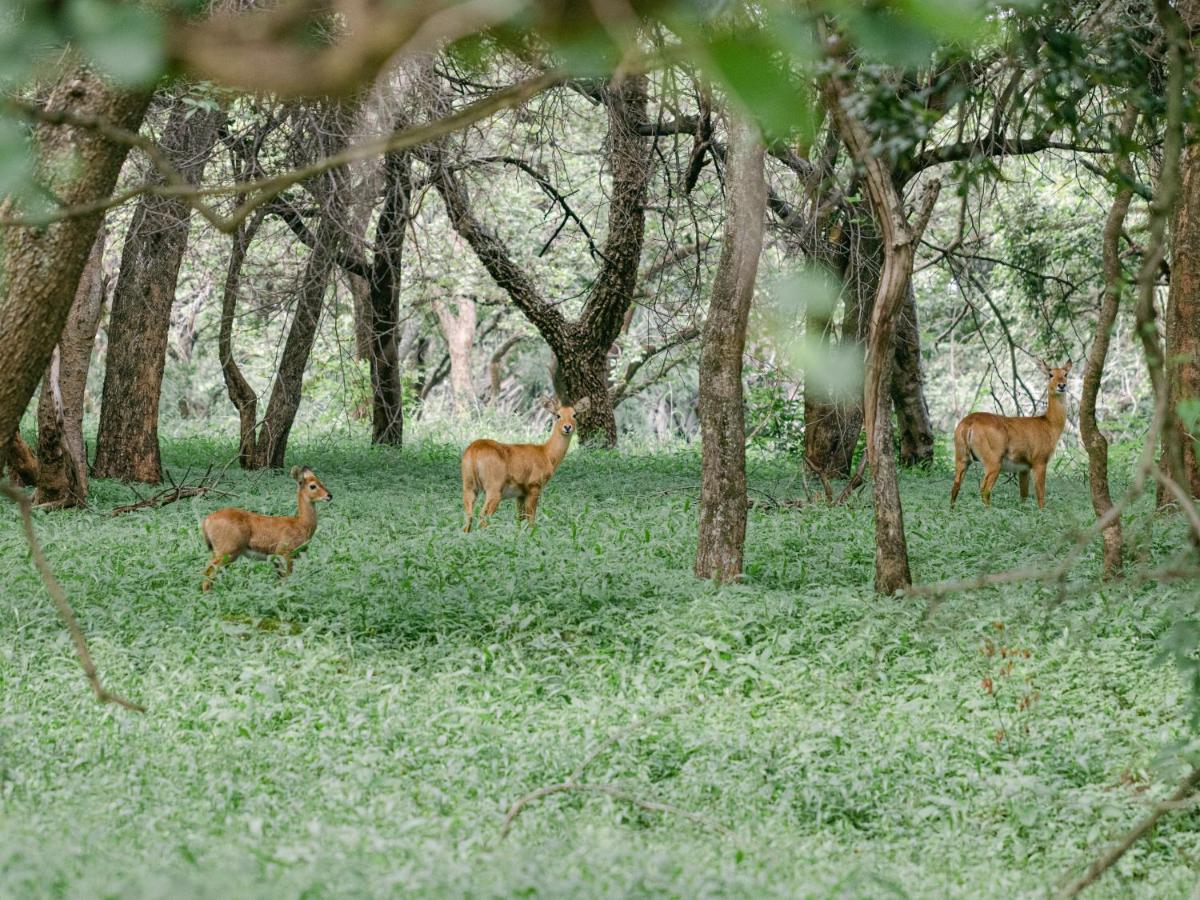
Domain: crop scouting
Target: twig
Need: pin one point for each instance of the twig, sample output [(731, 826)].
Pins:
[(60, 601), (1119, 849), (177, 491)]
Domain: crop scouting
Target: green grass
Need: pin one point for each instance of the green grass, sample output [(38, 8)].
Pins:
[(361, 727)]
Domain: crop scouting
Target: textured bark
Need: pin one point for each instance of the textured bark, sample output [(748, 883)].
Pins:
[(580, 347), (62, 458), (18, 459), (1183, 321), (41, 266), (140, 321), (1094, 440), (458, 328), (832, 427), (908, 388), (722, 407), (900, 239), (240, 393)]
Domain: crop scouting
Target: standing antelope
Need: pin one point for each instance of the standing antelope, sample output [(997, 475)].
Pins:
[(232, 532), (1013, 443), (516, 470)]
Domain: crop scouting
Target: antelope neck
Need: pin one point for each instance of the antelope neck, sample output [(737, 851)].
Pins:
[(306, 513), (556, 447), (1056, 412)]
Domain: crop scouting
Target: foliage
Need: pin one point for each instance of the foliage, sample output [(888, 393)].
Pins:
[(361, 727)]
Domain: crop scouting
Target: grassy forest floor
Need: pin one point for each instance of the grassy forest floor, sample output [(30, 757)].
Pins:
[(362, 727)]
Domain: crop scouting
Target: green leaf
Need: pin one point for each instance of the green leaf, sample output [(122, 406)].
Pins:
[(124, 40)]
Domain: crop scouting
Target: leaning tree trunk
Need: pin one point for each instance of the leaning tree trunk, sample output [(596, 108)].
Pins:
[(722, 406), (240, 393), (458, 328), (286, 392), (140, 321), (62, 458), (899, 244), (1094, 440), (41, 265)]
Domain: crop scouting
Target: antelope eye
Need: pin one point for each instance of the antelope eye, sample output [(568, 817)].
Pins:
[(312, 487)]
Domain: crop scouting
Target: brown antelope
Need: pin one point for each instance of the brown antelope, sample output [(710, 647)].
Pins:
[(519, 471), (233, 532), (1018, 444)]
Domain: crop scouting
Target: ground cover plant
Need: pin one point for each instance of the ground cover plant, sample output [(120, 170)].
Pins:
[(363, 727)]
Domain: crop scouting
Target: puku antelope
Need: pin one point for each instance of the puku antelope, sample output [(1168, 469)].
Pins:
[(519, 471), (1018, 444), (233, 532)]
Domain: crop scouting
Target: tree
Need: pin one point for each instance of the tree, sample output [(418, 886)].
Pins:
[(580, 347), (62, 457), (722, 406), (456, 319), (900, 240), (140, 320), (78, 165)]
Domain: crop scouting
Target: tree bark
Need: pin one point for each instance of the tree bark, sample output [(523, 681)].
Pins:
[(140, 321), (899, 244), (722, 408), (908, 388), (1094, 440), (62, 459), (240, 393), (1183, 323), (41, 266), (17, 457), (458, 328), (580, 347)]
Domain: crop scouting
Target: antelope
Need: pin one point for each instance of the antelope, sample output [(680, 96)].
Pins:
[(231, 532), (519, 471), (1018, 444)]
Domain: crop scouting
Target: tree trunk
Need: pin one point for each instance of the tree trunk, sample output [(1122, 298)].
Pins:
[(1094, 440), (580, 347), (908, 388), (20, 462), (458, 328), (899, 244), (832, 427), (240, 393), (140, 321), (62, 470), (722, 407), (1183, 323), (42, 265)]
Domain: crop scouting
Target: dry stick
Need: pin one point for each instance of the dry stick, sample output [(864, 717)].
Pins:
[(1103, 863), (60, 600)]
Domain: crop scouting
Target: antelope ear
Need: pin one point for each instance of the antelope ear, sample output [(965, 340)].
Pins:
[(1067, 367), (550, 404), (295, 473), (1045, 368), (584, 404)]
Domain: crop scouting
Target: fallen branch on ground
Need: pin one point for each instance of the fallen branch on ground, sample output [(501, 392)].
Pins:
[(177, 491), (65, 611)]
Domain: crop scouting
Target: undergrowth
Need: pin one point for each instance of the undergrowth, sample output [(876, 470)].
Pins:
[(362, 727)]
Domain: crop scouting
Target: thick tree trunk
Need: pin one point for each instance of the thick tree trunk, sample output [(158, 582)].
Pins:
[(832, 425), (1183, 323), (63, 470), (383, 308), (140, 321), (908, 388), (42, 265), (458, 328), (722, 408)]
